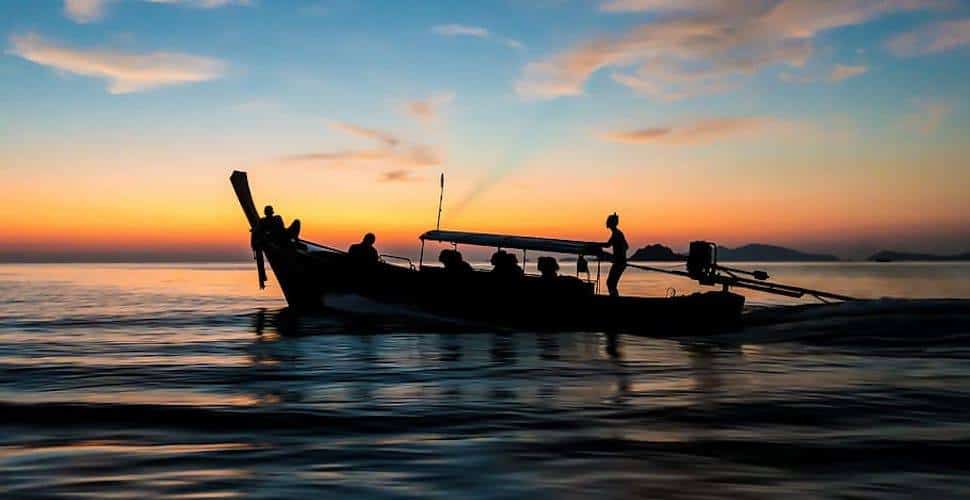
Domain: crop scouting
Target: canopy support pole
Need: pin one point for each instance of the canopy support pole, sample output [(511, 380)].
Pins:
[(598, 264)]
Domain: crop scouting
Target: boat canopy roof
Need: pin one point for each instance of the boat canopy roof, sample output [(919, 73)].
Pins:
[(517, 242)]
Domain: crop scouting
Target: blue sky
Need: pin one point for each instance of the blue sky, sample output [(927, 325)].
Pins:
[(849, 115)]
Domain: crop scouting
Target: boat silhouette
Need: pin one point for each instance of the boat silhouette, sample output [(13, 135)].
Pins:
[(314, 276)]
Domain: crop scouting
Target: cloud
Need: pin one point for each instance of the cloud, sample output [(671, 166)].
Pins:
[(411, 157), (460, 30), (698, 132), (927, 117), (203, 4), (390, 152), (838, 73), (695, 47), (429, 109), (125, 72), (385, 138), (664, 91), (841, 72), (87, 11), (398, 176), (84, 11), (931, 38), (339, 158), (454, 30), (661, 6)]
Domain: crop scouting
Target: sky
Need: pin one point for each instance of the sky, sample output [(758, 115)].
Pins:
[(836, 126)]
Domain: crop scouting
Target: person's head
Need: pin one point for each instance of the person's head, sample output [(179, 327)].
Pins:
[(498, 258), (369, 239), (612, 221), (449, 257), (547, 266), (268, 210)]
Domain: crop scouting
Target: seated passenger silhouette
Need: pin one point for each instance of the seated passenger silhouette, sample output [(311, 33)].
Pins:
[(453, 261), (270, 229), (548, 267), (505, 264), (364, 254)]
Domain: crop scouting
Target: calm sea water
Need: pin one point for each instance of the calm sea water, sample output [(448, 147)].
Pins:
[(149, 380)]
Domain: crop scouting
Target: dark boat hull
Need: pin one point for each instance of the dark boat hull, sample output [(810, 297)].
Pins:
[(317, 280), (313, 277)]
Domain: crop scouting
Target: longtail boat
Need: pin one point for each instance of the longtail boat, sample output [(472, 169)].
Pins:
[(313, 276)]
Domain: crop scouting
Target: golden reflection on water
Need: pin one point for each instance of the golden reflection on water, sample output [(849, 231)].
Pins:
[(96, 446), (523, 404), (143, 396), (172, 279), (122, 359)]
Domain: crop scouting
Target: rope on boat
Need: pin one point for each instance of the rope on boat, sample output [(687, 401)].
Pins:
[(759, 283)]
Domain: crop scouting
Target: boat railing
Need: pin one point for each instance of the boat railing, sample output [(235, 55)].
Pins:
[(385, 256), (316, 247)]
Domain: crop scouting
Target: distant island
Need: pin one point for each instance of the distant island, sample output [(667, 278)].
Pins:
[(890, 256), (657, 252), (755, 252), (758, 252)]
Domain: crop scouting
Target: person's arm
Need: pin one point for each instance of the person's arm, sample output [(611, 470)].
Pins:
[(609, 242)]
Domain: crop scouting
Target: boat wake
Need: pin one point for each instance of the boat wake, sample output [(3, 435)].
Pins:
[(884, 323), (903, 323)]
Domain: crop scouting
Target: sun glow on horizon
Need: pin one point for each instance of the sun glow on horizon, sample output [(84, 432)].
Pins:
[(840, 127)]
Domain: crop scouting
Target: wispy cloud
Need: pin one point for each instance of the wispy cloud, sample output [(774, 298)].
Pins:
[(87, 11), (402, 159), (698, 132), (125, 71), (399, 176), (410, 157), (460, 30), (931, 38), (694, 47), (927, 117), (429, 109), (84, 11), (474, 31), (385, 138), (666, 6), (838, 73), (842, 72), (664, 91)]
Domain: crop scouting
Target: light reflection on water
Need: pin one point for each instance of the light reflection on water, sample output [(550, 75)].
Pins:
[(145, 380)]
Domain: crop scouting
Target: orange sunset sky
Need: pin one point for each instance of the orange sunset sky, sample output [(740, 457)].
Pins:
[(826, 126)]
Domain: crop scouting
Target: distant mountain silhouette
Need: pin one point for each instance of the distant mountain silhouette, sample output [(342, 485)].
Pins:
[(657, 252), (769, 253), (754, 252), (890, 256)]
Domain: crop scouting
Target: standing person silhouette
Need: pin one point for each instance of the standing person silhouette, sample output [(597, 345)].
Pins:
[(618, 242)]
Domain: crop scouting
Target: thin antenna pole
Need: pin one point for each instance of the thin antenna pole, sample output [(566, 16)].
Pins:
[(441, 196)]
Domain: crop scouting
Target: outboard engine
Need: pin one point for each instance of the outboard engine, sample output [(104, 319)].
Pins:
[(702, 262)]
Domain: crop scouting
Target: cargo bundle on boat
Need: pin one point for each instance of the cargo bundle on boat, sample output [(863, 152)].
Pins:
[(315, 276)]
